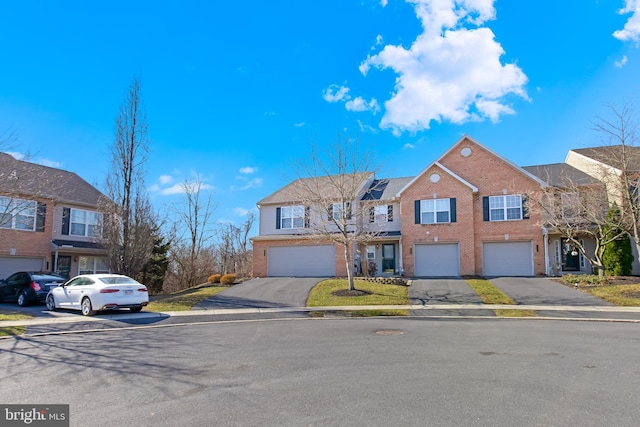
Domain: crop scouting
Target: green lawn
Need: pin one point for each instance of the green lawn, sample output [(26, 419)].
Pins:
[(182, 300), (492, 295), (12, 315), (379, 294), (623, 295)]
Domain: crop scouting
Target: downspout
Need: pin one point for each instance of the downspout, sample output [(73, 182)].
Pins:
[(545, 234), (401, 269)]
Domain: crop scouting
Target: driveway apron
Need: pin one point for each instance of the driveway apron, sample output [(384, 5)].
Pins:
[(444, 291), (263, 293)]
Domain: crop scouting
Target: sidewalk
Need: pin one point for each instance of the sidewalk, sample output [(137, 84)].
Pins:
[(439, 310)]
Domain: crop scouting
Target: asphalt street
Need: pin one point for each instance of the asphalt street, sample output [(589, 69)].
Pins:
[(347, 372)]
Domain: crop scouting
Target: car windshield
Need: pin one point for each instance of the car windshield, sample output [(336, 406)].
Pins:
[(116, 280)]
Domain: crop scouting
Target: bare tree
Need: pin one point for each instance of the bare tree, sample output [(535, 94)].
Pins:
[(575, 210), (233, 248), (620, 164), (330, 186), (129, 219), (193, 234)]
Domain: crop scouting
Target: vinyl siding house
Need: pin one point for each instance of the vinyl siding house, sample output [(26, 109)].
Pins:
[(467, 213), (49, 220)]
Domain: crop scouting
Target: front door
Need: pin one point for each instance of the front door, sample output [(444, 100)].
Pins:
[(64, 266), (388, 258), (570, 256)]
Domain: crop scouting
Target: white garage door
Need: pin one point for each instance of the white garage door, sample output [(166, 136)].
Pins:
[(302, 261), (507, 259), (437, 260), (10, 265)]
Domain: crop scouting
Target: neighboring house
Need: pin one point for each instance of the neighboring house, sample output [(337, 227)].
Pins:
[(49, 220), (467, 213), (606, 164)]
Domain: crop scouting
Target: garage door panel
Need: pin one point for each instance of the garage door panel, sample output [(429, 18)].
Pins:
[(507, 258), (10, 265), (302, 261), (437, 260)]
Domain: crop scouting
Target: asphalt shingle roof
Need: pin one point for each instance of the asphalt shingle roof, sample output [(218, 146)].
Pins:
[(22, 178), (560, 175)]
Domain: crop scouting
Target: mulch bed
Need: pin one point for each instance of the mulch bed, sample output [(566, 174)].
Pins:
[(348, 293)]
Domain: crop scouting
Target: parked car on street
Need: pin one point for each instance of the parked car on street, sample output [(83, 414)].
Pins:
[(96, 292), (25, 287)]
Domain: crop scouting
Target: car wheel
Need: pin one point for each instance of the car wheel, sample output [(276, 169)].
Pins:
[(51, 303), (87, 308), (135, 309), (22, 299)]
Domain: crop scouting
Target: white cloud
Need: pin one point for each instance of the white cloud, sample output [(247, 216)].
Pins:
[(335, 93), (631, 30), (247, 170), (366, 128), (254, 183), (241, 211), (165, 179), (408, 146), (622, 62), (359, 104), (299, 125), (37, 160), (452, 71), (384, 3)]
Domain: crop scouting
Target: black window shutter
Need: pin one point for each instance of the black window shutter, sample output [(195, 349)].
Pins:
[(278, 215), (525, 206), (485, 208), (372, 214), (307, 212), (390, 213), (330, 212), (348, 210), (416, 208), (41, 216), (452, 209), (66, 220)]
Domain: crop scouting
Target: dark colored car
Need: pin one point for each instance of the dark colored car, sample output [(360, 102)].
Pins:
[(28, 286)]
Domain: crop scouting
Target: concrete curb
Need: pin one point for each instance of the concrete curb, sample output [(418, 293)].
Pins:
[(236, 311)]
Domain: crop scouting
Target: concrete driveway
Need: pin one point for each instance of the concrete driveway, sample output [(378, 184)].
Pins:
[(263, 293)]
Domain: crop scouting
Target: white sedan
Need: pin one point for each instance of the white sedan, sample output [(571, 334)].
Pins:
[(95, 292)]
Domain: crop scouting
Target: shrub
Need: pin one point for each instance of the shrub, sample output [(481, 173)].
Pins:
[(214, 278), (618, 256), (228, 279), (588, 279)]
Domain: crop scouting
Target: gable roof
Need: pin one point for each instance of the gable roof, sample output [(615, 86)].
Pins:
[(20, 178), (614, 155), (446, 170), (328, 186), (560, 174), (507, 161)]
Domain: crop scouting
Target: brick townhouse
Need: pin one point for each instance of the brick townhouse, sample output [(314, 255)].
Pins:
[(467, 213), (49, 220)]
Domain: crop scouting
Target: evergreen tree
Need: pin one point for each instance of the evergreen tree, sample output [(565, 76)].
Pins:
[(618, 256), (154, 271)]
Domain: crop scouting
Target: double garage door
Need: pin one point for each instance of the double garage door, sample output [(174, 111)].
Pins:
[(498, 259), (302, 261), (507, 258)]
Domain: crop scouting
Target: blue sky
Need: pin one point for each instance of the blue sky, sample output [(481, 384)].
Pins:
[(236, 92)]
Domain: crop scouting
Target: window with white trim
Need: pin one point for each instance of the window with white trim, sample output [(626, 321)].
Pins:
[(381, 213), (85, 223), (505, 208), (570, 205), (339, 210), (18, 214), (435, 211), (292, 217), (92, 265), (371, 252)]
